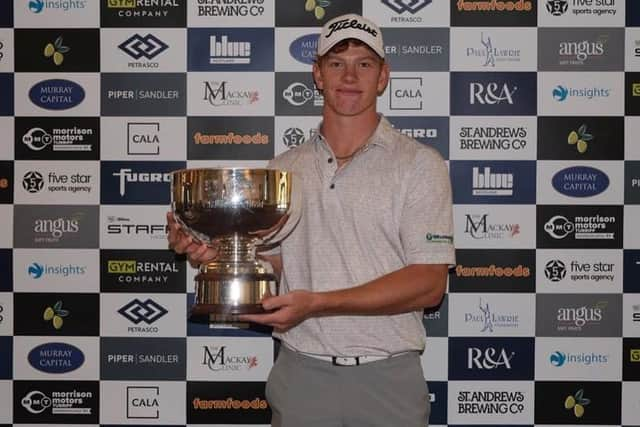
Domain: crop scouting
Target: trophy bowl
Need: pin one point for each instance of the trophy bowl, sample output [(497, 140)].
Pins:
[(234, 210)]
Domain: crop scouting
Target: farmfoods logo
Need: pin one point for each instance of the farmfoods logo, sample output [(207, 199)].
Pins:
[(490, 402), (230, 403), (494, 5)]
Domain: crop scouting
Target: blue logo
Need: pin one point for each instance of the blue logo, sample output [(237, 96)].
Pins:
[(56, 94), (557, 359), (36, 6), (580, 181), (35, 270), (56, 358), (560, 93), (230, 49), (496, 182), (304, 48)]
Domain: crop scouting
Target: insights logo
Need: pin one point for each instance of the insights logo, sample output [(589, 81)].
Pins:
[(37, 6), (36, 270), (559, 359), (561, 93)]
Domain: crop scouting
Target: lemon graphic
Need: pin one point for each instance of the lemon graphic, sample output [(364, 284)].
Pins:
[(48, 50), (57, 50), (580, 138), (569, 402), (319, 12), (57, 322), (55, 314), (310, 5), (577, 402)]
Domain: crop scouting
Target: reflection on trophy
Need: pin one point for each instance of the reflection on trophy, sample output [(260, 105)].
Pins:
[(235, 210)]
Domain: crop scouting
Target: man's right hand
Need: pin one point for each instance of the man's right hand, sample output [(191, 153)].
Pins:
[(182, 243)]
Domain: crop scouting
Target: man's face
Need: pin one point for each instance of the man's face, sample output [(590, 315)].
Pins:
[(351, 80)]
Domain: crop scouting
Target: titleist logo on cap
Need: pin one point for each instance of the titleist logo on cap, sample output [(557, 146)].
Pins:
[(350, 23)]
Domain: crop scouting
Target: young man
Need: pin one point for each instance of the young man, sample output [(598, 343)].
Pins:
[(370, 252)]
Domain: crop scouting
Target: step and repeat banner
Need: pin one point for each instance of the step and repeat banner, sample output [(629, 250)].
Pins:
[(534, 104)]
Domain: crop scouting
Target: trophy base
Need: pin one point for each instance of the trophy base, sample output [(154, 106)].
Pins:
[(222, 297)]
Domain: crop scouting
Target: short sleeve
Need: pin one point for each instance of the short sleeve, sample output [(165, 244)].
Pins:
[(426, 222)]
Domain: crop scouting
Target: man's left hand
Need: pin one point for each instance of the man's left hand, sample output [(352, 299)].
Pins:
[(289, 310)]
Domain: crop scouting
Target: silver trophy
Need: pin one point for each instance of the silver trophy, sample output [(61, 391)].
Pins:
[(234, 210)]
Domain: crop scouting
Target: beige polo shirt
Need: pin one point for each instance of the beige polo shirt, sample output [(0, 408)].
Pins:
[(389, 207)]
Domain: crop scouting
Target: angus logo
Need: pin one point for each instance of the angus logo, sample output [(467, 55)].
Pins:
[(56, 94)]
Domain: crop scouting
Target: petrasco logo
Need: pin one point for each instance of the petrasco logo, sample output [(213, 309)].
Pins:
[(56, 358), (401, 6), (138, 46), (147, 311), (580, 181), (56, 94)]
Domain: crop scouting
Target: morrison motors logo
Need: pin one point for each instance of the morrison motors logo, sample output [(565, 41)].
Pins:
[(56, 94), (562, 93)]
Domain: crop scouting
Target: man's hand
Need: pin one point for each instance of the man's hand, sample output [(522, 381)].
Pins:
[(182, 243), (290, 309)]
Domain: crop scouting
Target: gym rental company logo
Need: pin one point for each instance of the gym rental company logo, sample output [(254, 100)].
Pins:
[(143, 13), (156, 271)]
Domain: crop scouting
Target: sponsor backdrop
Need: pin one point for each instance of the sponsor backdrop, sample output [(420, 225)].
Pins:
[(535, 106)]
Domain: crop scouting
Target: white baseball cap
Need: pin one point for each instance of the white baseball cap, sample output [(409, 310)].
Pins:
[(350, 26)]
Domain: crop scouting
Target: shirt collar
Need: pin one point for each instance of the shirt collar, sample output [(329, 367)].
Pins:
[(381, 136)]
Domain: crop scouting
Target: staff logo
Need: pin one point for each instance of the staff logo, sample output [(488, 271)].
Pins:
[(138, 46), (401, 6)]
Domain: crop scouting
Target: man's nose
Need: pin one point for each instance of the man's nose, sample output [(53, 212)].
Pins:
[(350, 72)]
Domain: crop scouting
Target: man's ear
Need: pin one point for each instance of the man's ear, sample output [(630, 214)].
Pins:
[(383, 79), (317, 76)]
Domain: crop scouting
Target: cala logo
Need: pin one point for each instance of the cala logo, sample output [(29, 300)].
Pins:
[(56, 94), (56, 358), (304, 48), (580, 181)]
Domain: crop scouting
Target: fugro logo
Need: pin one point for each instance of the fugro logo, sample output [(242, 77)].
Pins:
[(56, 94), (155, 271), (56, 358), (137, 182), (580, 181), (304, 48)]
